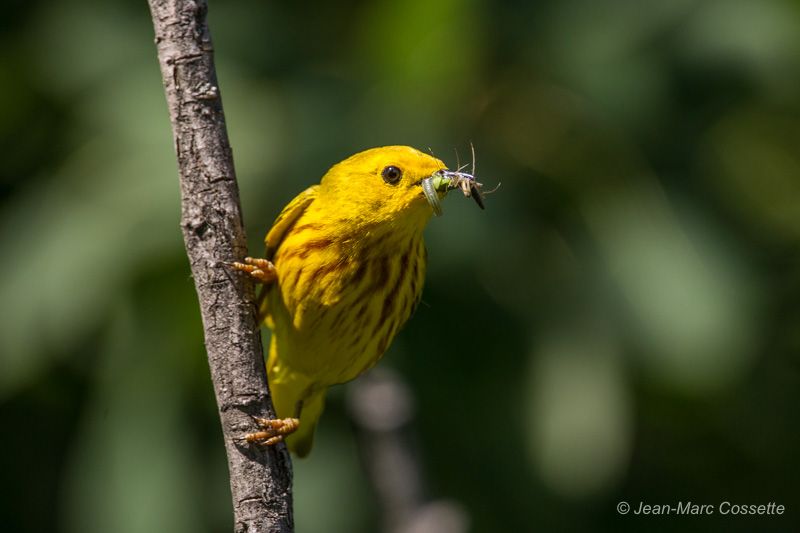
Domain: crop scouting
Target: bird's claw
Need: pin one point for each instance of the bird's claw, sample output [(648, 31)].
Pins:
[(273, 430), (261, 270)]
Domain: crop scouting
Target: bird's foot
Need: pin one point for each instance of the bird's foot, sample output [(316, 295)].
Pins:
[(273, 430), (261, 270)]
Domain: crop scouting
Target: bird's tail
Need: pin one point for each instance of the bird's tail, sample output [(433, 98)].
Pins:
[(293, 396)]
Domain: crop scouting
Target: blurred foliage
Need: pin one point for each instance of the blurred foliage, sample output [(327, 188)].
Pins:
[(621, 323)]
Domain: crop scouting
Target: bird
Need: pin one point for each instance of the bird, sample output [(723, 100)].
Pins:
[(343, 271)]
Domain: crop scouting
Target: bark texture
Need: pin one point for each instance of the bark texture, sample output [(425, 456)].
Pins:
[(212, 227)]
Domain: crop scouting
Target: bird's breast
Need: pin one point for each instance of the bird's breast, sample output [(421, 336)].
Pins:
[(337, 305)]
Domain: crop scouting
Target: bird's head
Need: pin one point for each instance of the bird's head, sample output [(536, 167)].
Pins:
[(385, 186)]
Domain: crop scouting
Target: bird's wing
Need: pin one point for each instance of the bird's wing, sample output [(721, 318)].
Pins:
[(287, 218), (277, 232)]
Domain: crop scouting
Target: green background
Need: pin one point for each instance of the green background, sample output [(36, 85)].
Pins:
[(621, 323)]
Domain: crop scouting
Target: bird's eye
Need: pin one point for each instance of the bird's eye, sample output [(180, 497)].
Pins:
[(392, 175)]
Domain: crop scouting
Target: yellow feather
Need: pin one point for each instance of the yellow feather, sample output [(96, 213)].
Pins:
[(350, 263)]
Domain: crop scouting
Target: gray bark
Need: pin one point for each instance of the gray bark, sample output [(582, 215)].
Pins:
[(260, 478)]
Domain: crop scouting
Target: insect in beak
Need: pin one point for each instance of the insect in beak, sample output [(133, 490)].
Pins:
[(445, 180)]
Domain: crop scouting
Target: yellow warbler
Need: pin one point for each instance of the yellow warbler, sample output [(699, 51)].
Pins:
[(344, 270)]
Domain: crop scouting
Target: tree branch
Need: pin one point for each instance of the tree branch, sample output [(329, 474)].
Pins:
[(213, 233)]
